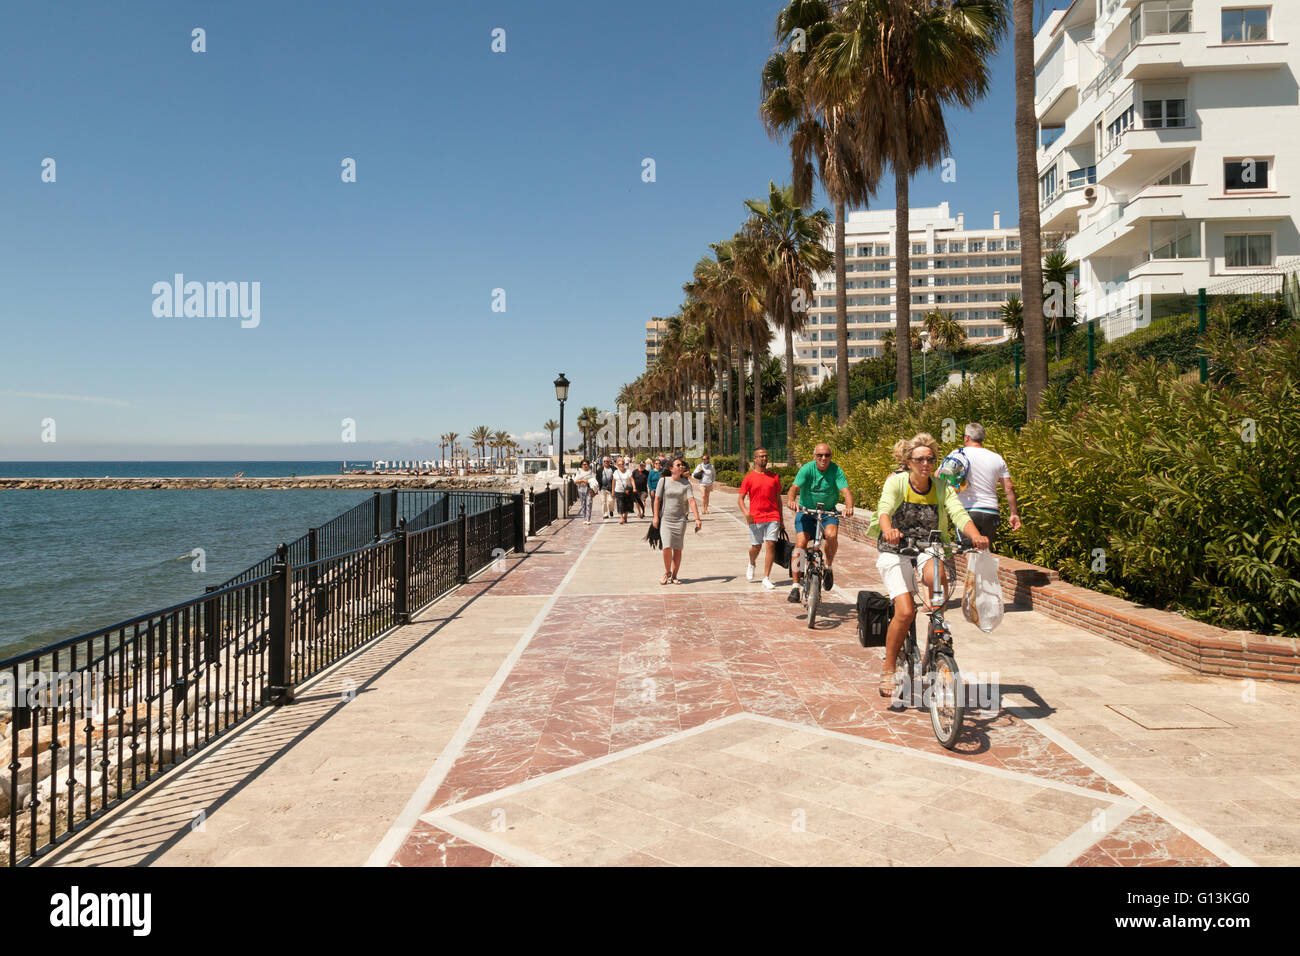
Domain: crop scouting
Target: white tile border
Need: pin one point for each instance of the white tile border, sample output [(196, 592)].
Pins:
[(410, 815), (1171, 816), (1078, 842)]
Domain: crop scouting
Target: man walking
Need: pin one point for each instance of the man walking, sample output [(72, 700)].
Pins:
[(987, 470), (606, 478), (818, 484), (763, 487), (641, 477)]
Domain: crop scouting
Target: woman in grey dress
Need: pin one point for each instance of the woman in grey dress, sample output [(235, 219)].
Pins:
[(671, 495)]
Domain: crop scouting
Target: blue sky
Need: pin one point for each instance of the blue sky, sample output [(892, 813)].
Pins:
[(475, 171)]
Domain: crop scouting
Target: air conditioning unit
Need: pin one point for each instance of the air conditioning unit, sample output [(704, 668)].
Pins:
[(1090, 194)]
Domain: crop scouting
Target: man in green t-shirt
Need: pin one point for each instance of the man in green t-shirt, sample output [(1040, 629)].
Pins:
[(818, 484)]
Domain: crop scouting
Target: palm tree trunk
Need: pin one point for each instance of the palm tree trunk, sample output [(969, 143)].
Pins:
[(789, 387), (740, 413), (717, 387), (760, 354), (903, 272), (841, 324), (1031, 259)]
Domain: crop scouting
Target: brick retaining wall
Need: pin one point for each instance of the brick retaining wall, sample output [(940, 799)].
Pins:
[(1201, 647)]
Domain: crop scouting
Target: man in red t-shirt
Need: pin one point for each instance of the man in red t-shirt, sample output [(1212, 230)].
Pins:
[(763, 514)]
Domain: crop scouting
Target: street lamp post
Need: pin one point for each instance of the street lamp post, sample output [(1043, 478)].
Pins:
[(562, 393)]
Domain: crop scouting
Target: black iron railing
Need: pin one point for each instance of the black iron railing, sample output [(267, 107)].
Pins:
[(95, 717)]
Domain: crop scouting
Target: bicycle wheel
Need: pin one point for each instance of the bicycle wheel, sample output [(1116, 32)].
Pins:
[(947, 698), (904, 673), (814, 586)]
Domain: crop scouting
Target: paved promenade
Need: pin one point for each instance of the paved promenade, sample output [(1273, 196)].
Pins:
[(567, 709)]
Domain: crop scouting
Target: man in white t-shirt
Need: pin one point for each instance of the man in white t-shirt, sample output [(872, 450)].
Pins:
[(980, 496)]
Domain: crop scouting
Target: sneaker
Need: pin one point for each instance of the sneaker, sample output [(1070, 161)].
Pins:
[(794, 595), (767, 583), (749, 573)]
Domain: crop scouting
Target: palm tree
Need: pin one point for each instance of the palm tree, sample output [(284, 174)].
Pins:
[(451, 440), (946, 332), (752, 271), (824, 132), (1013, 317), (1059, 285), (1031, 244), (587, 419), (896, 63), (791, 243), (442, 448), (550, 426), (501, 440), (479, 437)]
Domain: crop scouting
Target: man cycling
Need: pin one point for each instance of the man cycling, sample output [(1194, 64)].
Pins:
[(818, 484)]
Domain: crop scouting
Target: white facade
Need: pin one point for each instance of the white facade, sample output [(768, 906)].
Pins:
[(968, 273), (1169, 130)]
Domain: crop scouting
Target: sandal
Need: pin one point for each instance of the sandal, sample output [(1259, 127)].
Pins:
[(886, 685), (677, 581), (665, 579)]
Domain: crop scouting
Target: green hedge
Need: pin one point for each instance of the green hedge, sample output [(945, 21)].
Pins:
[(1139, 481)]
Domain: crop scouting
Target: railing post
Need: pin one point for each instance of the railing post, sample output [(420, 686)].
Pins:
[(500, 539), (393, 510), (313, 552), (462, 547), (1203, 361), (279, 683), (1092, 337), (211, 626), (531, 524), (377, 515), (402, 575), (521, 534)]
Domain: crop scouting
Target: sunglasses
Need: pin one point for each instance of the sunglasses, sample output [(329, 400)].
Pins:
[(824, 456), (923, 461)]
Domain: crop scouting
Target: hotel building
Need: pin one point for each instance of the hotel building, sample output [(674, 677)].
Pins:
[(966, 273), (1168, 133)]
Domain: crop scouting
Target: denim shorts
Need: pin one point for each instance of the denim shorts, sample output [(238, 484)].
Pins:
[(761, 531), (807, 524)]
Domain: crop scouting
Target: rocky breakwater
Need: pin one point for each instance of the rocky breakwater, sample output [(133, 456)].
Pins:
[(339, 482)]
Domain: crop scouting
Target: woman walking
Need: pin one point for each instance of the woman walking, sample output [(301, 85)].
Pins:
[(624, 486), (670, 516), (584, 479), (706, 474)]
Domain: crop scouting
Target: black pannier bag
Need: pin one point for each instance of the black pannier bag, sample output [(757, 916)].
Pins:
[(875, 611)]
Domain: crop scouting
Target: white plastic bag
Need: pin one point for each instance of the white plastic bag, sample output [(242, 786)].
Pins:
[(981, 599)]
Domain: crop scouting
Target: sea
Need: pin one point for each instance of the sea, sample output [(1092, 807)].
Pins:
[(75, 561)]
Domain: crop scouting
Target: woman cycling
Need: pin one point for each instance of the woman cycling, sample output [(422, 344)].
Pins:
[(912, 504)]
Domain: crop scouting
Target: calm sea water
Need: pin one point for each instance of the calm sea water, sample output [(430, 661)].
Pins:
[(74, 561), (171, 469)]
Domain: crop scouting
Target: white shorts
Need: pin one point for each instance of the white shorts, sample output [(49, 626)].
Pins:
[(761, 531), (898, 573)]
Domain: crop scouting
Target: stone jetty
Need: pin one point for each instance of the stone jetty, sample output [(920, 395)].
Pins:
[(337, 482)]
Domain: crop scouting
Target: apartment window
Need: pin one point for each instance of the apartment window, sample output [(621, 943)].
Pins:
[(1245, 25), (918, 248), (1164, 114), (976, 245), (1177, 177), (957, 247), (1252, 251), (1015, 243), (1165, 16), (1176, 239), (882, 250), (1080, 177), (1117, 128), (940, 246), (1245, 174), (995, 245)]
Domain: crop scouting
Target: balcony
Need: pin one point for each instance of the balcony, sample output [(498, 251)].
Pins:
[(1140, 149), (1061, 209), (1175, 55)]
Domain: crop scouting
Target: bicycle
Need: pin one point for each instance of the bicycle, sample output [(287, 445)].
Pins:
[(942, 688), (813, 564)]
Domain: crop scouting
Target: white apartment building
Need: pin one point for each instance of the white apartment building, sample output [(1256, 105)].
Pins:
[(967, 273), (1168, 133)]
